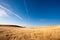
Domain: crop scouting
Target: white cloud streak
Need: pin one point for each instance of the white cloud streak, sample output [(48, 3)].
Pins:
[(3, 13), (27, 12), (11, 12), (25, 6)]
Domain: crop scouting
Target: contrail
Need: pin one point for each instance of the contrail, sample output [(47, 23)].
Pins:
[(26, 9), (11, 12), (25, 6)]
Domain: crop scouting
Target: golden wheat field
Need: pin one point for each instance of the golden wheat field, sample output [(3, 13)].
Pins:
[(43, 33)]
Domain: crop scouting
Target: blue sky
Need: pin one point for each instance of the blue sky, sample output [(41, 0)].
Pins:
[(31, 12)]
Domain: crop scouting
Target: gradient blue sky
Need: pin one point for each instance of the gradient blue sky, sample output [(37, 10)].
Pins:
[(32, 12)]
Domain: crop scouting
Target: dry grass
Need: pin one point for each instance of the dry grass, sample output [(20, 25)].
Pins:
[(15, 33)]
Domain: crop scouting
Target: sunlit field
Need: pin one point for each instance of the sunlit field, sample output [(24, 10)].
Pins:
[(43, 33)]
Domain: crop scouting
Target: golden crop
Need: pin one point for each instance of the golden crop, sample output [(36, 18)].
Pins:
[(15, 33)]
